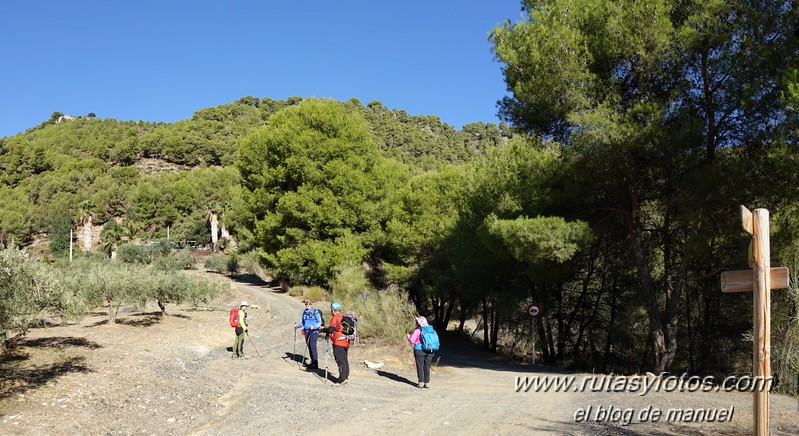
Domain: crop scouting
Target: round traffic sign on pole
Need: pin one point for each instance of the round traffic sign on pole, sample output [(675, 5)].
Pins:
[(533, 310)]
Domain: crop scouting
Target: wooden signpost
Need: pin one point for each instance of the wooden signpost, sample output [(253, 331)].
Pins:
[(761, 280)]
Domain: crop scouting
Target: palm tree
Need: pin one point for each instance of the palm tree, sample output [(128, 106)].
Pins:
[(86, 211), (214, 209), (110, 237)]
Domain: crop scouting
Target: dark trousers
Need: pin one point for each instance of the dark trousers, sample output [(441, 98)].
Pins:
[(340, 354), (424, 361), (310, 339)]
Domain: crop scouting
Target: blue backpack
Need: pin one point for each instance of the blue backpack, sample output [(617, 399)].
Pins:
[(430, 340)]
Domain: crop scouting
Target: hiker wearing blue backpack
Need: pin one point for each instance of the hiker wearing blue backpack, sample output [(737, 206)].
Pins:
[(310, 324), (425, 343)]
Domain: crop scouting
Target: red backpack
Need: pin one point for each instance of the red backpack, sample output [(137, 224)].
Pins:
[(234, 317)]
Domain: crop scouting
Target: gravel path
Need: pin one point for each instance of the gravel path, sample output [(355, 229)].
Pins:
[(174, 375)]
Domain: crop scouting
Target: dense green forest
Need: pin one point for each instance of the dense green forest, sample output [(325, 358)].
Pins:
[(610, 198)]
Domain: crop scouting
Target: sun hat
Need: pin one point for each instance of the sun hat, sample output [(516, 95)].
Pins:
[(244, 303)]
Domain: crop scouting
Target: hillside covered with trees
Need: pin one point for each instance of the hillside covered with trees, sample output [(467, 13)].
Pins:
[(634, 132)]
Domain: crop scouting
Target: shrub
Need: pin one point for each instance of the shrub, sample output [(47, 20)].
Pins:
[(165, 263), (315, 293), (233, 264), (350, 281), (200, 291), (786, 345), (184, 260), (217, 262), (133, 253), (160, 248), (384, 313), (297, 291), (59, 230), (249, 262), (175, 262)]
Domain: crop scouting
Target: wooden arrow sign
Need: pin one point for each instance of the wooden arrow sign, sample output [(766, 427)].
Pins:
[(743, 280)]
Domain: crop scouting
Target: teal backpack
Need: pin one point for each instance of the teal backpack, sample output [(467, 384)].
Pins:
[(430, 340)]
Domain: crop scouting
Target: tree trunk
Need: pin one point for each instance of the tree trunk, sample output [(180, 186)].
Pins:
[(662, 328), (87, 233), (584, 325), (485, 322), (213, 218), (690, 331), (550, 342), (112, 314), (609, 340), (494, 328), (448, 314), (543, 340)]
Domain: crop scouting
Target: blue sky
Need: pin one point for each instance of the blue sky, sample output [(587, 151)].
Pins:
[(164, 60)]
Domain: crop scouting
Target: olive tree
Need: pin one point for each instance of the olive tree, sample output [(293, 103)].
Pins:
[(27, 289)]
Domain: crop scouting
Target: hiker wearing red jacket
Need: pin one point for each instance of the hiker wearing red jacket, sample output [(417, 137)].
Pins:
[(341, 343)]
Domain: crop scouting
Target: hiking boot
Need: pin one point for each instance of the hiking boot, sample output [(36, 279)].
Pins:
[(313, 365), (344, 383), (426, 386), (420, 385)]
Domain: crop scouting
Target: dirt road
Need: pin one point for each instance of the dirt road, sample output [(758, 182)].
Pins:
[(174, 375)]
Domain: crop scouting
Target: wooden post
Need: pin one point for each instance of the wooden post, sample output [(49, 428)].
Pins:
[(762, 317), (757, 225)]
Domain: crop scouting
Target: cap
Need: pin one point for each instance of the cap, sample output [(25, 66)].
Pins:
[(244, 303), (335, 306)]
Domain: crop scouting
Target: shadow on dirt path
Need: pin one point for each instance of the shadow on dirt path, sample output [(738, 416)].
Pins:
[(15, 380)]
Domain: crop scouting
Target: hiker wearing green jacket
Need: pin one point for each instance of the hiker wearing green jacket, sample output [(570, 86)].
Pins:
[(241, 330)]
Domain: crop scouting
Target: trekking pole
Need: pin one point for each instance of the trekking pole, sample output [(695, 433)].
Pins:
[(253, 344), (307, 335), (326, 348), (294, 352)]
